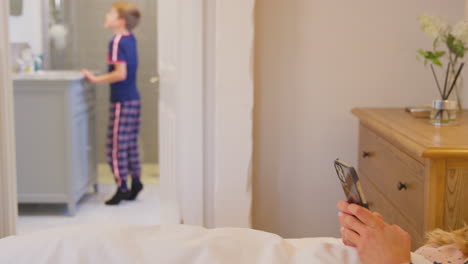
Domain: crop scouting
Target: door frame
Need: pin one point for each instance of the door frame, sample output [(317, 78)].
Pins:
[(221, 65), (8, 198), (229, 101), (181, 84), (215, 103)]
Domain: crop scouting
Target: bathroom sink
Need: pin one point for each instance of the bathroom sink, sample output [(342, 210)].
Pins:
[(50, 75)]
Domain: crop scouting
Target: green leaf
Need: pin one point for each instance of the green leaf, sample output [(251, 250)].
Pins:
[(439, 54), (422, 52), (436, 62), (459, 49), (434, 44), (450, 41), (432, 56), (455, 46)]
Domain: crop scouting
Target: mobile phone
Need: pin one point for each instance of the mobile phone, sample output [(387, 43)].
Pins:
[(350, 182)]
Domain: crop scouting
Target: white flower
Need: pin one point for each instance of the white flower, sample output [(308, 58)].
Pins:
[(435, 27), (460, 31)]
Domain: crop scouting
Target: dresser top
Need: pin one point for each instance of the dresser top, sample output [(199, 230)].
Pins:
[(417, 135)]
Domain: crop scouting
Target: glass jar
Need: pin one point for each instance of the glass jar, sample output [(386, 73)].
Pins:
[(444, 113)]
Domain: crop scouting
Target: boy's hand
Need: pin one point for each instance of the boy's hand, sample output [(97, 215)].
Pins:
[(89, 75), (375, 240)]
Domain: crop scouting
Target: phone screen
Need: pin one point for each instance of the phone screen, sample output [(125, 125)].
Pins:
[(350, 183)]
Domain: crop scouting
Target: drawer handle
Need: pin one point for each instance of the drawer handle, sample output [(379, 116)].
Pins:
[(366, 154), (402, 186)]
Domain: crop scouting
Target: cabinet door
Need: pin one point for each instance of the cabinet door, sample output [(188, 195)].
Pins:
[(40, 145), (80, 153), (92, 155)]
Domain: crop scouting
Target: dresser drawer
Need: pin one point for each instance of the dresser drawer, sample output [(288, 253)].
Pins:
[(390, 169), (379, 203)]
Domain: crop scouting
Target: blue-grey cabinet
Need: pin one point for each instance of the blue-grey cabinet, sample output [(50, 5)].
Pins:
[(55, 137)]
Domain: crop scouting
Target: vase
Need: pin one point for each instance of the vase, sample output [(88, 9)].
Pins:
[(444, 112), (458, 93)]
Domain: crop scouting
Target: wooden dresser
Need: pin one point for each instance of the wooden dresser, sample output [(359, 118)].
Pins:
[(413, 173)]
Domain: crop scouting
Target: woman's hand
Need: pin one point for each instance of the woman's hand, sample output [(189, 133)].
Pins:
[(375, 240)]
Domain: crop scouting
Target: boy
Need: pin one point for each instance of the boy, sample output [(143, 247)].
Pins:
[(122, 137)]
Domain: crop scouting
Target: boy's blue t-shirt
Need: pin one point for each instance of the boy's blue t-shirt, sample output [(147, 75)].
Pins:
[(123, 49)]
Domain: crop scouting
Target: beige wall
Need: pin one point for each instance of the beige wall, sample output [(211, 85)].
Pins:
[(315, 60)]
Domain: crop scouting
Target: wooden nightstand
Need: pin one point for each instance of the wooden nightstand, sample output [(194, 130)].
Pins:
[(413, 173)]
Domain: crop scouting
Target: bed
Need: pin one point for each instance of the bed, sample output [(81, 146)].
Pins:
[(176, 244)]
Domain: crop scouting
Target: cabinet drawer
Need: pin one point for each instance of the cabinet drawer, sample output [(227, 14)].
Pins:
[(379, 203), (388, 167)]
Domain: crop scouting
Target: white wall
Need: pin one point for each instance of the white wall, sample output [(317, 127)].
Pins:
[(315, 61), (28, 26)]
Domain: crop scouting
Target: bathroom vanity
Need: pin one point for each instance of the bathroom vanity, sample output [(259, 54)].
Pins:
[(55, 137)]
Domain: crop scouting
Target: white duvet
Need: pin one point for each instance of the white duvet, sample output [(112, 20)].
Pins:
[(170, 244)]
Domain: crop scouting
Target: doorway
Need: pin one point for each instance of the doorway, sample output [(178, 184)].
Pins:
[(205, 50), (72, 37)]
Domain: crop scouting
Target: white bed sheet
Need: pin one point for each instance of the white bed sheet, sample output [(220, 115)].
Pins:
[(170, 245)]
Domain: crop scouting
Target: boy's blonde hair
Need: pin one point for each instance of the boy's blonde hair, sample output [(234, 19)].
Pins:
[(128, 12), (458, 238)]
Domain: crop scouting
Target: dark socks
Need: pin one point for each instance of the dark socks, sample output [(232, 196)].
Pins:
[(123, 193), (120, 195), (136, 181), (123, 186), (137, 186)]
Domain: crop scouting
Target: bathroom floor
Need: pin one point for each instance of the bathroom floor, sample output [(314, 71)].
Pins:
[(91, 209)]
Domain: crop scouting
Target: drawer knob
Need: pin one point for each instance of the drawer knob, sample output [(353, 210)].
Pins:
[(366, 154), (402, 186)]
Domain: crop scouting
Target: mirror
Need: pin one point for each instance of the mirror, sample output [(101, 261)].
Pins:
[(16, 7)]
